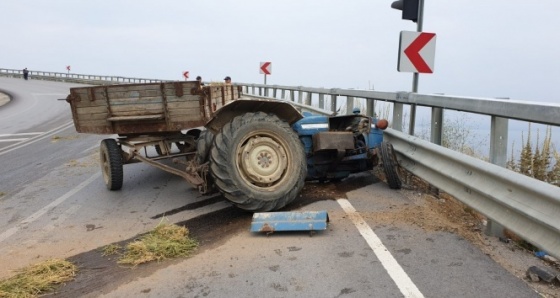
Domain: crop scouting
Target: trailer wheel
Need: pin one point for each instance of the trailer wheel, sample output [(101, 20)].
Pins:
[(390, 165), (158, 150), (258, 162), (111, 164)]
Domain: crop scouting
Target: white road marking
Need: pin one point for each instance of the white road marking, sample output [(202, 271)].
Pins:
[(401, 279), (12, 140), (91, 148), (24, 223), (20, 134), (35, 139), (54, 224)]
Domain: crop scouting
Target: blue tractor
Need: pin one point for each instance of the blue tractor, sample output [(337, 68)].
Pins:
[(259, 154)]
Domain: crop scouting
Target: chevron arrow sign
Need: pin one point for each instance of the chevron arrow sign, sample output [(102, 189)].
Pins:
[(417, 51)]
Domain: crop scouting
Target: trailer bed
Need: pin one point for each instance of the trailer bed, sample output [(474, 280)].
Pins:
[(152, 108)]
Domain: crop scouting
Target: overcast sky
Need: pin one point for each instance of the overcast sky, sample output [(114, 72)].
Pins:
[(496, 48)]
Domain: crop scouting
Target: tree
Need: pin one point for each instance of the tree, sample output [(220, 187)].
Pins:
[(526, 158), (554, 174)]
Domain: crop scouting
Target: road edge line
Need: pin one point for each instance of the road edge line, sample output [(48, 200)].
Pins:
[(397, 273), (24, 223)]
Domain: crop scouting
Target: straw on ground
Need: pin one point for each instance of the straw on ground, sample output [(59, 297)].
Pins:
[(38, 279), (165, 241)]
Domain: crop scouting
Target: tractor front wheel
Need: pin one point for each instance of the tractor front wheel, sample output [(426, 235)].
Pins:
[(390, 165), (258, 162)]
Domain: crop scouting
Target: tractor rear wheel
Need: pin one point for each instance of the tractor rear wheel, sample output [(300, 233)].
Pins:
[(390, 165), (203, 145), (258, 162), (110, 154)]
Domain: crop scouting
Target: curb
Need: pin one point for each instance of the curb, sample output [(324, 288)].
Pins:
[(4, 99)]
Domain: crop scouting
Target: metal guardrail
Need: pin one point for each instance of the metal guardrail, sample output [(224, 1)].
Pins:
[(544, 113), (526, 206), (75, 78)]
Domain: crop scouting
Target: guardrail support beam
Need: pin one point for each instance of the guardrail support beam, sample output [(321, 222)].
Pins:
[(436, 129), (333, 102), (370, 107), (349, 105), (498, 156), (397, 116)]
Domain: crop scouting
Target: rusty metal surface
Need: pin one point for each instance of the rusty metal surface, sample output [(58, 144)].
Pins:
[(134, 150), (283, 110), (269, 222), (192, 178), (339, 140)]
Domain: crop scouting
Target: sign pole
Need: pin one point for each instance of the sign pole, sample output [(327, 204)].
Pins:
[(265, 78), (415, 76)]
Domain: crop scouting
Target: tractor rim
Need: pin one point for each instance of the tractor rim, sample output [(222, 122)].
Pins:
[(262, 160)]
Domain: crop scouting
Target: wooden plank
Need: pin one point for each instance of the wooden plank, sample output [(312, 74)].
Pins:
[(183, 98), (133, 87), (136, 118), (135, 101), (89, 110), (98, 117), (184, 114), (183, 105), (139, 108)]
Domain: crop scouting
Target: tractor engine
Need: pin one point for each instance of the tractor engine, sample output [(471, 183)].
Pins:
[(337, 146)]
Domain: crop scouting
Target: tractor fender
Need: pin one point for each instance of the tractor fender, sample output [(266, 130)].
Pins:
[(284, 110)]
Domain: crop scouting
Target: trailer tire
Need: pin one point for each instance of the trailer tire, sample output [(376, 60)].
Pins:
[(390, 165), (158, 150), (258, 162), (111, 164)]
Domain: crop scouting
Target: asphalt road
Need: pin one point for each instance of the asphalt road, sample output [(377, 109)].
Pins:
[(53, 203)]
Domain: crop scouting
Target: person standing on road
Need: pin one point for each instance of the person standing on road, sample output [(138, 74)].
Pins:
[(227, 80), (199, 80), (25, 73)]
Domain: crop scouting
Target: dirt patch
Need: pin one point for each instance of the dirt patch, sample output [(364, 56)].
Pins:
[(101, 274), (433, 210), (426, 209), (4, 99)]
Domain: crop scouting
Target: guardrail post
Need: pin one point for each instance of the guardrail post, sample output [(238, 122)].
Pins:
[(292, 95), (498, 156), (349, 105), (300, 96), (333, 102), (436, 129), (321, 101), (370, 107), (274, 92), (397, 116), (308, 98), (398, 111), (283, 93)]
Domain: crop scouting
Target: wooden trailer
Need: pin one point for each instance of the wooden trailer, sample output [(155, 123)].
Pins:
[(168, 116)]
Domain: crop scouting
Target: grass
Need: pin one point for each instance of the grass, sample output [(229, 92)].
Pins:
[(111, 249), (165, 241), (38, 279)]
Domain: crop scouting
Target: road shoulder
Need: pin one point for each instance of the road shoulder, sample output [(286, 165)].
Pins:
[(4, 99)]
